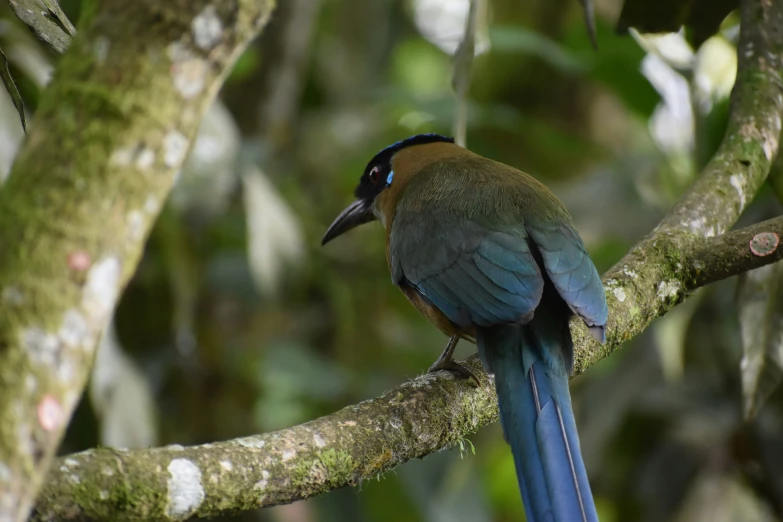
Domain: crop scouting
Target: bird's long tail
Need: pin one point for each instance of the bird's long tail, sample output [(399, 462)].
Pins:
[(535, 411)]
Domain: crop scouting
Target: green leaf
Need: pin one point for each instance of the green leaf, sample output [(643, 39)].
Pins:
[(13, 91), (761, 323), (617, 66), (702, 17), (518, 39)]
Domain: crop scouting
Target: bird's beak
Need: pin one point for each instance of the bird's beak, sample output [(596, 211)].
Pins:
[(357, 213)]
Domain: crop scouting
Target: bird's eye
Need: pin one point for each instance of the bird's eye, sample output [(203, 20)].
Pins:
[(375, 175)]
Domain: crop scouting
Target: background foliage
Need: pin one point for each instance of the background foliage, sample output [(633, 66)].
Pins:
[(238, 322)]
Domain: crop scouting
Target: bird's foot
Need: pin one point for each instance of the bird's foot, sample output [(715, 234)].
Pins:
[(456, 368), (446, 362)]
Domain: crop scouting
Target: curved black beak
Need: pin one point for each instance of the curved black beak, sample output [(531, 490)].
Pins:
[(357, 213)]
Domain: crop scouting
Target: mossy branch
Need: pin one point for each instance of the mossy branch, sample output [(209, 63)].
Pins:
[(741, 164), (690, 248), (110, 132), (643, 283), (422, 416)]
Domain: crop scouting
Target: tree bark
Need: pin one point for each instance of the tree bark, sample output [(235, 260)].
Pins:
[(109, 135)]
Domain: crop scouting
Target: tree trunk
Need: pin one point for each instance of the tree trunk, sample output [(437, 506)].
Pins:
[(109, 135)]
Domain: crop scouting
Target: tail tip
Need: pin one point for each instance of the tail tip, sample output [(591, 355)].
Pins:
[(598, 333)]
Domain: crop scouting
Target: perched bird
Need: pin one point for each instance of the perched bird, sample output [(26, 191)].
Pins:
[(489, 254)]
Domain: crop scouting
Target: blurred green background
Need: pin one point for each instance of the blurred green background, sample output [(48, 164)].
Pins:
[(237, 321)]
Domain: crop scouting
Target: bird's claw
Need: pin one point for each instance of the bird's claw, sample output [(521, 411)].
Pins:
[(455, 368)]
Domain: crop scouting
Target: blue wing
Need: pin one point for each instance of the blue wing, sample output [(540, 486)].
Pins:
[(475, 276), (573, 273)]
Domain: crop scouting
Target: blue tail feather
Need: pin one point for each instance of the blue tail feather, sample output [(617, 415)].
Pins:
[(538, 423)]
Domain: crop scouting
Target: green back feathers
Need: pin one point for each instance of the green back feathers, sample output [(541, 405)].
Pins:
[(482, 190)]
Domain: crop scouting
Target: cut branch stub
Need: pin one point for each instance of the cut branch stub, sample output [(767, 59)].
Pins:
[(764, 244)]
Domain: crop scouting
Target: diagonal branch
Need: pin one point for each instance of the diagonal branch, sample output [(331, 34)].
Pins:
[(434, 412), (735, 173), (642, 284)]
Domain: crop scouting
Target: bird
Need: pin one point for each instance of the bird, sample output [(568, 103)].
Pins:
[(489, 254)]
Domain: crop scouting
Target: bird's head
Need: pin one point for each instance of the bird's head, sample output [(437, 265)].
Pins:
[(379, 175)]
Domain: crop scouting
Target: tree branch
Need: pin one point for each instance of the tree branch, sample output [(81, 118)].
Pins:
[(420, 417), (42, 22), (434, 412), (735, 173), (643, 284), (110, 133)]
